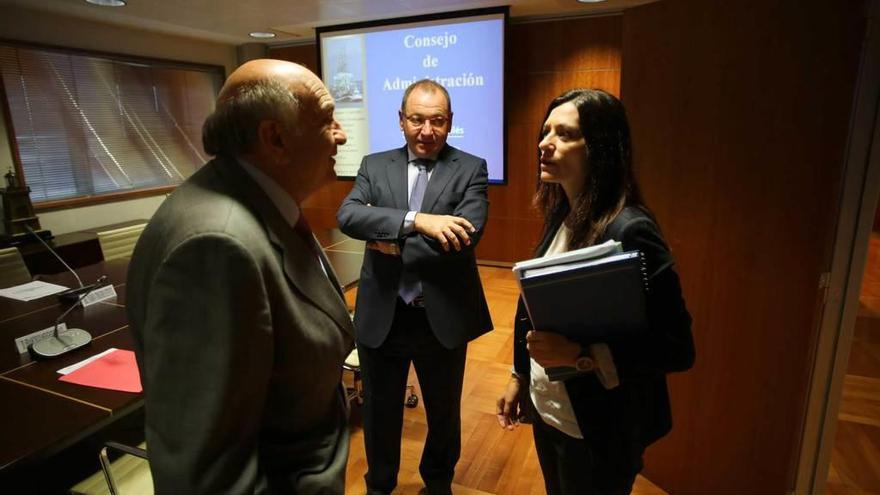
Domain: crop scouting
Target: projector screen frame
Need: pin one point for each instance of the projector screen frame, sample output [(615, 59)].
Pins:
[(457, 14)]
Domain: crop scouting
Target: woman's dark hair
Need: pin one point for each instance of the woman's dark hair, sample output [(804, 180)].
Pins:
[(610, 184)]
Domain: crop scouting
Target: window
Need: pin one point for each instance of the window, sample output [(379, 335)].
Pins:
[(86, 126)]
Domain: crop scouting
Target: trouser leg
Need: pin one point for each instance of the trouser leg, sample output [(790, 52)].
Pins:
[(441, 374), (384, 371), (570, 466)]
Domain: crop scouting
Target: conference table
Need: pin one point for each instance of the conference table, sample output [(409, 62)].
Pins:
[(40, 415)]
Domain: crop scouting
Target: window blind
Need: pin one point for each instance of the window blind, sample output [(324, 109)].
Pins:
[(89, 125)]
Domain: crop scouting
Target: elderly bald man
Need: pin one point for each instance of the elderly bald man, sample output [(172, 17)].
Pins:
[(240, 326)]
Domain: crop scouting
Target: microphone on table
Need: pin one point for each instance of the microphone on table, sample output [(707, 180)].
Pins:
[(69, 294), (73, 338)]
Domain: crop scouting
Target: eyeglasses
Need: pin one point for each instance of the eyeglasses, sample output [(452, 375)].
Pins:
[(417, 121)]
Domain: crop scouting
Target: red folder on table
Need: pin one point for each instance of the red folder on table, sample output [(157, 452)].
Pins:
[(115, 371)]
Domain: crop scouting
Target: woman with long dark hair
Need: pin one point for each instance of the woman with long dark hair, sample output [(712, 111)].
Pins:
[(591, 429)]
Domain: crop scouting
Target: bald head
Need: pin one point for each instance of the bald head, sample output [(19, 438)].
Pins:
[(258, 90), (289, 74), (277, 116)]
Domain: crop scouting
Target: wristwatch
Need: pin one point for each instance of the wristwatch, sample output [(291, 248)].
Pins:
[(584, 361)]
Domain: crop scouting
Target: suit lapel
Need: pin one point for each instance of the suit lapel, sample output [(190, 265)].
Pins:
[(304, 271), (300, 267), (444, 169), (397, 175), (331, 273)]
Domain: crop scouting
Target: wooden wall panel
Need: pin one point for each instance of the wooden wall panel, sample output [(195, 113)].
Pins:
[(544, 59), (739, 117), (306, 54)]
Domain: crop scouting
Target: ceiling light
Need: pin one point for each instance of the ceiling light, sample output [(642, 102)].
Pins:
[(107, 3), (262, 35)]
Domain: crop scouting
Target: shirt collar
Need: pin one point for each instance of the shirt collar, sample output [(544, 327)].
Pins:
[(279, 197)]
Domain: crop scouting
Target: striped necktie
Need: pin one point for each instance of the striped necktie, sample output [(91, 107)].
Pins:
[(410, 287)]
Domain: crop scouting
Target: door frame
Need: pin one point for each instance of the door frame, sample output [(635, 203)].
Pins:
[(859, 194)]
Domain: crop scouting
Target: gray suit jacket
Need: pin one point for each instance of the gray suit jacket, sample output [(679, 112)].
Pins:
[(454, 300), (240, 339)]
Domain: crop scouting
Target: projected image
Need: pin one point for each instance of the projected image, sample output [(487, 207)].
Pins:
[(465, 59), (344, 69), (368, 70)]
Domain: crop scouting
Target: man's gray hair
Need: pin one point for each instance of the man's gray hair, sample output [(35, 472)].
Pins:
[(231, 130)]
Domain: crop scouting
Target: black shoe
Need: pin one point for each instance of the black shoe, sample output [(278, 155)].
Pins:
[(446, 490)]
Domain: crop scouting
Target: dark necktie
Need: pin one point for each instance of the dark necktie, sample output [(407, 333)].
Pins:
[(410, 287), (303, 229), (305, 232)]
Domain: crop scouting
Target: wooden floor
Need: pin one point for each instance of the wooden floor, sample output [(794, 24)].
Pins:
[(492, 460), (855, 461), (499, 462)]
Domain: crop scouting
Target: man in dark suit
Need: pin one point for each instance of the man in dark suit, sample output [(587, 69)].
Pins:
[(422, 209), (240, 326)]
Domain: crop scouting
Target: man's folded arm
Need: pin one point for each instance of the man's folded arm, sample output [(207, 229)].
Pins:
[(474, 207), (357, 217)]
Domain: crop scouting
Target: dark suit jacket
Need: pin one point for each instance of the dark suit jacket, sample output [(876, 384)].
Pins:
[(240, 339), (454, 301), (621, 422)]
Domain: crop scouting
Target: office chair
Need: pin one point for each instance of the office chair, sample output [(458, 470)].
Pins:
[(352, 364), (13, 271), (128, 474), (119, 243), (140, 472)]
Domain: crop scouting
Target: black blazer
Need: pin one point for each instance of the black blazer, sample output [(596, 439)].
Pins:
[(375, 209), (621, 422)]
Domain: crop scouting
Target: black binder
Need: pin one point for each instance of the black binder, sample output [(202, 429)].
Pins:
[(597, 300)]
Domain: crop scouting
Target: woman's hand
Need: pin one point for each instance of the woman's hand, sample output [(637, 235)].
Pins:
[(508, 406), (551, 349)]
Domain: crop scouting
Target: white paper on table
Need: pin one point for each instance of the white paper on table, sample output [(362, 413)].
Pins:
[(73, 367), (31, 290)]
